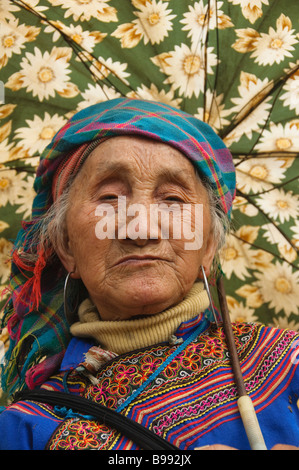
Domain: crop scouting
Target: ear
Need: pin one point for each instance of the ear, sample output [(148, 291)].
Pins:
[(65, 254), (208, 255)]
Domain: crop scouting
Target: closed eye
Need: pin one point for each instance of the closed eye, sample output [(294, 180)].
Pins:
[(109, 196), (174, 199)]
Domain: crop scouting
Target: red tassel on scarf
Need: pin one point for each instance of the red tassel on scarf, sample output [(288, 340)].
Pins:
[(30, 292)]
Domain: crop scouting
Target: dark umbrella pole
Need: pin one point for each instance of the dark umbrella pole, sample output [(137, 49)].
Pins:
[(245, 404)]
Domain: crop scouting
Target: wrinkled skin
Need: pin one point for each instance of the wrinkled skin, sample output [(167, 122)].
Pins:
[(145, 172)]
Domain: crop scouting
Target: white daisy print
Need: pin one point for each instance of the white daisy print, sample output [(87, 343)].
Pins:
[(214, 113), (3, 225), (279, 205), (200, 18), (279, 287), (275, 46), (250, 87), (258, 174), (235, 256), (239, 312), (295, 229), (186, 69), (154, 21), (153, 24), (85, 39), (87, 9), (39, 132), (251, 294), (251, 9), (275, 237), (13, 38), (6, 7), (35, 5), (290, 96), (5, 151), (101, 68), (153, 94), (10, 152), (11, 183), (25, 198), (5, 259), (45, 74), (279, 138), (96, 94), (284, 323), (241, 204)]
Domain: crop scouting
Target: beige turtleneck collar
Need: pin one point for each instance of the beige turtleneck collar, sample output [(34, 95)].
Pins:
[(127, 335)]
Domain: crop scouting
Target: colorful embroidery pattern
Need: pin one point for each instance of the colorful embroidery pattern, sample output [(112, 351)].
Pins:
[(82, 434), (194, 394)]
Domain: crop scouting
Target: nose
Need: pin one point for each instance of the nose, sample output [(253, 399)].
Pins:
[(136, 224)]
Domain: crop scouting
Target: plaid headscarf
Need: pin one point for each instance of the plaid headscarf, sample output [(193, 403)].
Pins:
[(34, 314)]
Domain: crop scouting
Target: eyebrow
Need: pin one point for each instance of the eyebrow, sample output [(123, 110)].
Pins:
[(175, 176), (123, 169), (109, 168)]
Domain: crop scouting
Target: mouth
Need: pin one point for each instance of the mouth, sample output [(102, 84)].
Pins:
[(138, 260)]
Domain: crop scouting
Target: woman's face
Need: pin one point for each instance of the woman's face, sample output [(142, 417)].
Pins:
[(136, 269)]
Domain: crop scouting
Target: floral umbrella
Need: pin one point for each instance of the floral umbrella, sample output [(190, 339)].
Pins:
[(233, 64)]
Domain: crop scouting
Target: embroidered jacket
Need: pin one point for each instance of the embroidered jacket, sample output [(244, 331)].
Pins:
[(188, 399)]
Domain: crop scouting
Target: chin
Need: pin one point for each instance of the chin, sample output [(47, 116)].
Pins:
[(153, 297)]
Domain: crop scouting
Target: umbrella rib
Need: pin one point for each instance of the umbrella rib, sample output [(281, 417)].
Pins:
[(75, 47), (192, 61), (216, 75), (276, 186), (261, 130), (156, 52), (237, 70), (269, 114), (270, 154), (217, 68), (206, 80), (20, 168), (251, 201), (266, 250), (257, 101), (206, 19)]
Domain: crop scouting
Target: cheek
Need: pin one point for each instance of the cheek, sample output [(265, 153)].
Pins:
[(187, 260), (86, 248), (190, 249), (193, 225), (79, 227)]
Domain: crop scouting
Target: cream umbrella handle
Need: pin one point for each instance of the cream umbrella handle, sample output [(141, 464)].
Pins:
[(251, 424)]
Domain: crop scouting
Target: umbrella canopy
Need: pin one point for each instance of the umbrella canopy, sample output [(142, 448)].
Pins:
[(233, 64)]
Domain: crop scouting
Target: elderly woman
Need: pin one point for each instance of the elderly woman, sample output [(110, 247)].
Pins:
[(108, 303)]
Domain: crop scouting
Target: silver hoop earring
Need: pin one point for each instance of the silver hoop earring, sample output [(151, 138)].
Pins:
[(69, 314), (206, 284)]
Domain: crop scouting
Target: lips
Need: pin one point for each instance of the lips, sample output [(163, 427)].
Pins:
[(141, 259)]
